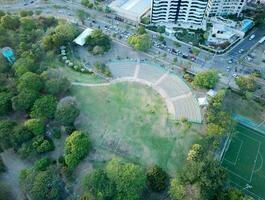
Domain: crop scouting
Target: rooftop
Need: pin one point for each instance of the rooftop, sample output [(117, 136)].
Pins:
[(81, 39), (131, 9)]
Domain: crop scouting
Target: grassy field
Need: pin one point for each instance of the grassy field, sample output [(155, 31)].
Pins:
[(248, 108), (244, 161), (75, 76), (131, 120)]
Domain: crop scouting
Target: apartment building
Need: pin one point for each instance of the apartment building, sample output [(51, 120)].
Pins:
[(192, 13), (224, 7), (178, 11)]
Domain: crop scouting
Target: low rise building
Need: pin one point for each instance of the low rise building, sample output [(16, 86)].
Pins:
[(131, 9)]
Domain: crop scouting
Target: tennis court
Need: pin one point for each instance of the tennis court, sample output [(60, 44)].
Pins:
[(243, 160)]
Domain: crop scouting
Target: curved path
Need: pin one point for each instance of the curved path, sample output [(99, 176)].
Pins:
[(177, 95)]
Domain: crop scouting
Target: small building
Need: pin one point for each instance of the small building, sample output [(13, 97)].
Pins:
[(81, 39), (8, 53), (131, 9), (226, 30)]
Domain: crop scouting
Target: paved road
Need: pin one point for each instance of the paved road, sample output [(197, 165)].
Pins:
[(204, 59)]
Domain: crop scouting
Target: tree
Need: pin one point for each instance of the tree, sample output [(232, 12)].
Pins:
[(23, 65), (44, 108), (56, 86), (214, 129), (97, 39), (2, 165), (24, 100), (36, 126), (30, 81), (76, 148), (40, 185), (99, 184), (4, 66), (5, 192), (67, 111), (81, 15), (5, 103), (233, 194), (6, 133), (60, 35), (207, 79), (21, 135), (10, 22), (176, 190), (42, 164), (129, 179), (42, 144), (161, 38), (28, 24), (195, 153), (246, 83), (141, 30), (102, 68), (140, 42), (156, 178)]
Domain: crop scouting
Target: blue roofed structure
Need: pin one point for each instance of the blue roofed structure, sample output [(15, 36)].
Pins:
[(247, 24), (8, 53)]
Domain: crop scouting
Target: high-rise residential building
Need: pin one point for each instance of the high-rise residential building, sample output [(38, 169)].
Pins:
[(192, 13), (224, 7), (178, 11)]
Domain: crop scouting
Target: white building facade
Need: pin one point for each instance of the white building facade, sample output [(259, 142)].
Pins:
[(178, 11), (225, 7), (188, 13)]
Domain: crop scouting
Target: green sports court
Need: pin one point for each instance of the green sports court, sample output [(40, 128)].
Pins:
[(244, 161)]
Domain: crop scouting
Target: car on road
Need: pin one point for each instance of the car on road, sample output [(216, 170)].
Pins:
[(230, 61), (252, 37), (235, 75), (228, 69), (241, 51)]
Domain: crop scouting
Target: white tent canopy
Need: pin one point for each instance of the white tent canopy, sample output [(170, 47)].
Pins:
[(211, 92), (81, 39), (203, 101)]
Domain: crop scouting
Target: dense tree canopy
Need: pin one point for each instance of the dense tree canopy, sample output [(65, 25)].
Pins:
[(6, 133), (128, 178), (246, 83), (98, 42), (140, 42), (67, 111), (24, 100), (24, 64), (99, 184), (5, 102), (60, 35), (10, 22), (156, 178), (30, 81), (207, 79), (77, 146), (40, 185), (44, 108), (36, 126), (56, 86)]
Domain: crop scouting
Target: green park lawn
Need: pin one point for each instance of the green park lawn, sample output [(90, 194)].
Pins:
[(130, 120)]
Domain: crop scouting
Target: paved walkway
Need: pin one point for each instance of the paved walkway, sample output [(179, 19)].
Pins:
[(176, 94)]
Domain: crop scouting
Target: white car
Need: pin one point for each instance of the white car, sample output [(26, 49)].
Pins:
[(252, 37), (235, 75)]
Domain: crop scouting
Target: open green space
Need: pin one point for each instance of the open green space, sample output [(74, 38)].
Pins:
[(131, 120), (234, 103), (244, 161)]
